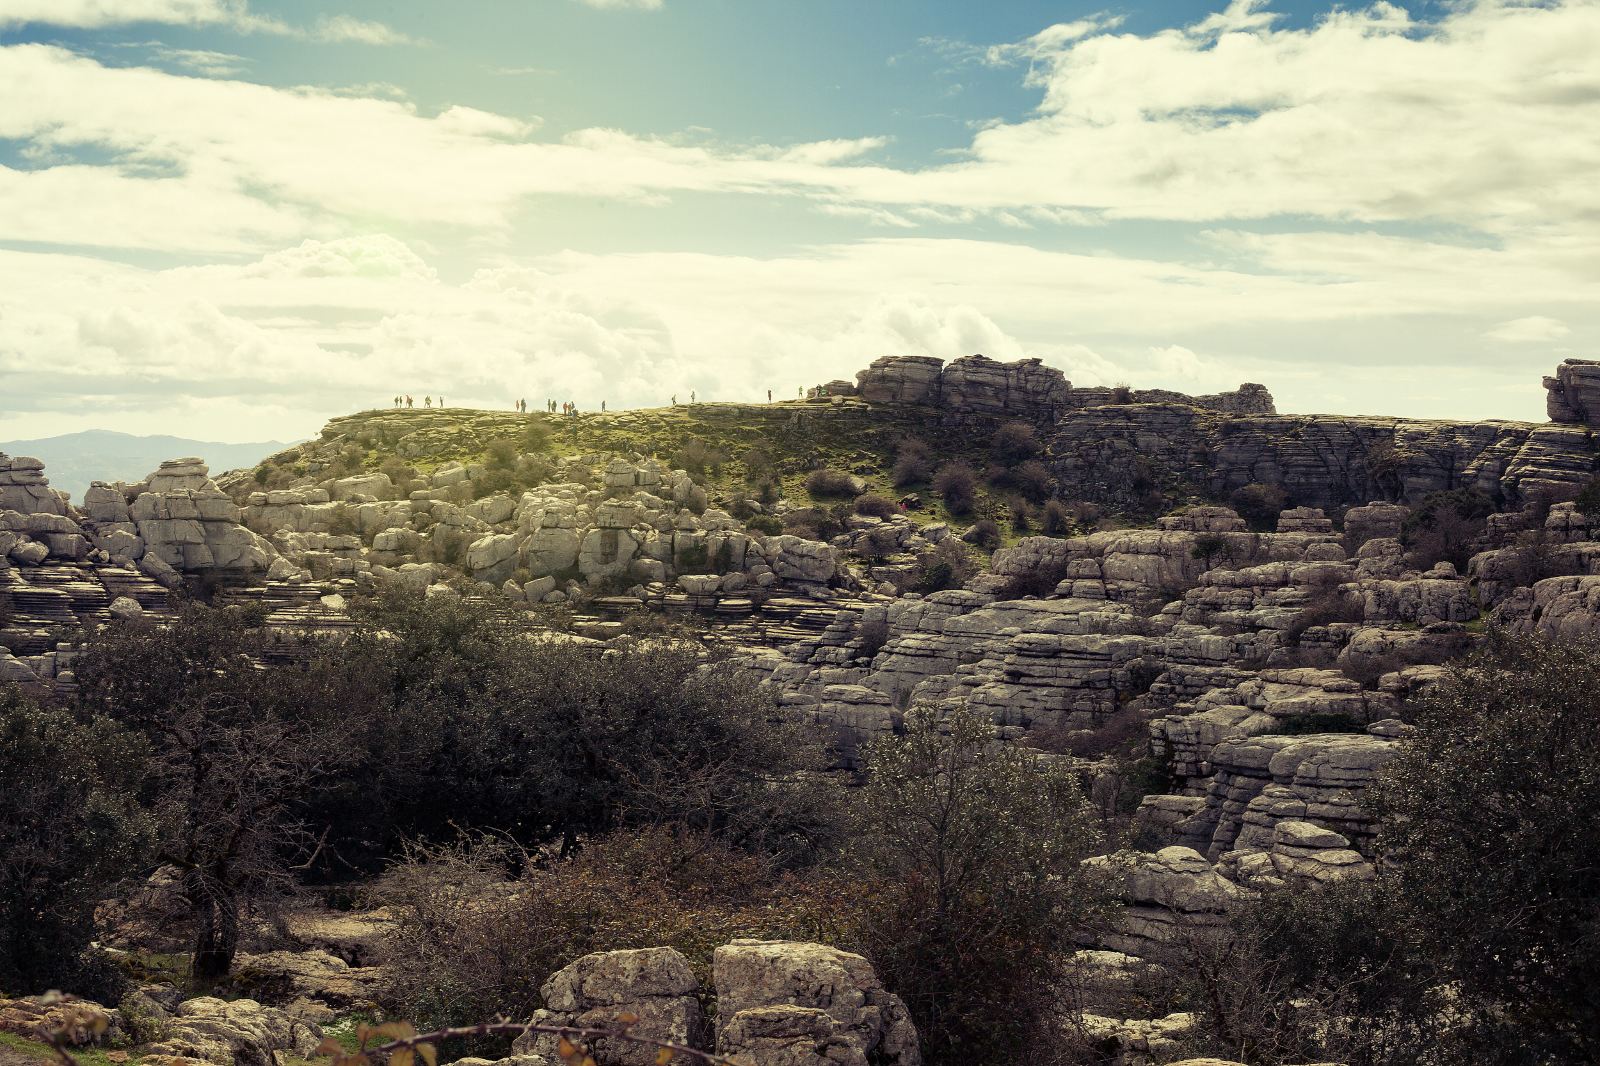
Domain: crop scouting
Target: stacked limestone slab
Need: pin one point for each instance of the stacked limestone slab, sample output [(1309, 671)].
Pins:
[(779, 1003)]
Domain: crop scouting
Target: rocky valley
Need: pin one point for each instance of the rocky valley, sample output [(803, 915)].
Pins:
[(1217, 620)]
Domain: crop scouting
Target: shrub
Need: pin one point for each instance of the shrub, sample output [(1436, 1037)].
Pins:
[(1259, 504), (985, 533), (1208, 547), (501, 454), (1031, 479), (957, 484), (876, 506), (1326, 606), (70, 827), (829, 482), (758, 465), (472, 938), (879, 544), (872, 636), (946, 565), (697, 457), (766, 524), (536, 435), (913, 463), (1038, 580), (403, 475), (492, 481), (342, 521), (1021, 514), (1056, 520), (1504, 764), (1014, 442), (1445, 526), (976, 850), (816, 523)]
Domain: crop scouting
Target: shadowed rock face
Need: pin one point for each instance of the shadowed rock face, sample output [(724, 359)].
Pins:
[(1113, 454)]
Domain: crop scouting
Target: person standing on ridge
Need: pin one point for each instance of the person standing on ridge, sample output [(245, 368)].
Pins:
[(691, 396), (427, 401), (769, 395)]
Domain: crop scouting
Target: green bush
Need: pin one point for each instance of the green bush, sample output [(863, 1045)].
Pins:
[(976, 850), (766, 524), (71, 827)]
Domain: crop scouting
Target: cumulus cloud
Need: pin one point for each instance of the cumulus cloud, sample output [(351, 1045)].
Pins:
[(276, 344), (234, 14)]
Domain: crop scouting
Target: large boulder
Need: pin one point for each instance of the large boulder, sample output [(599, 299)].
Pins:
[(240, 1032), (654, 986), (786, 1003)]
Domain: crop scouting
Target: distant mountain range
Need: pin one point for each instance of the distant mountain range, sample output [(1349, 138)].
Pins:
[(73, 460)]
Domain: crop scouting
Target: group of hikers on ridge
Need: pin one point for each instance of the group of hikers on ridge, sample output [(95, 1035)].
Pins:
[(565, 407)]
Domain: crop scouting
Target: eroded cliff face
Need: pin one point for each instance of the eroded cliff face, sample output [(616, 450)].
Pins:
[(1116, 454)]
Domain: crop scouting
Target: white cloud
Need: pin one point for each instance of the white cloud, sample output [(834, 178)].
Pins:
[(1533, 329), (276, 345), (344, 28), (234, 14), (92, 14), (201, 60)]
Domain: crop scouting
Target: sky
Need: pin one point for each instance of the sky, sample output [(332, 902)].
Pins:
[(234, 219)]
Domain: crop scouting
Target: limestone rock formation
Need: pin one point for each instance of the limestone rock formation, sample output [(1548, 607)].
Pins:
[(797, 1004), (1573, 394), (654, 985)]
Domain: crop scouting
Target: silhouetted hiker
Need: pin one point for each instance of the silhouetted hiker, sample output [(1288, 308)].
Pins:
[(769, 395), (409, 401), (427, 401), (674, 399), (691, 396), (602, 407), (441, 403)]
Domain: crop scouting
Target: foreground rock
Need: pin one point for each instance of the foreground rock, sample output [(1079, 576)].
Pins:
[(779, 1003)]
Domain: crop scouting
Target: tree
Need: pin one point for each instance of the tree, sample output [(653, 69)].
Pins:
[(70, 827), (976, 850), (1485, 815), (237, 746)]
